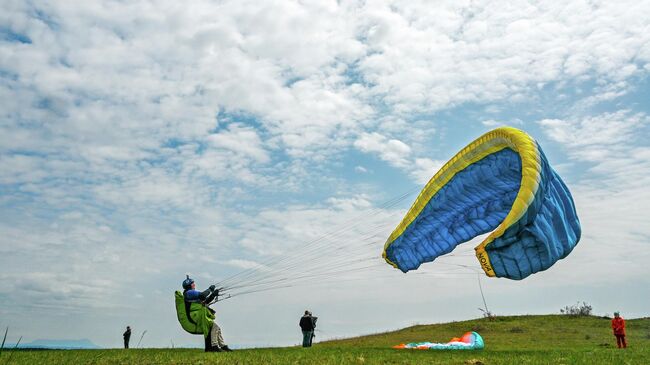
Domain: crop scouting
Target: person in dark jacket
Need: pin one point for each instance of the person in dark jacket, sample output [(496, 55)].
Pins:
[(127, 337), (307, 325), (214, 342)]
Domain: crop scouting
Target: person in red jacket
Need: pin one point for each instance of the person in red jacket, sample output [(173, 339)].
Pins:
[(618, 325)]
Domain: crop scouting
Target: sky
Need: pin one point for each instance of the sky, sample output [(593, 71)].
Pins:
[(141, 141)]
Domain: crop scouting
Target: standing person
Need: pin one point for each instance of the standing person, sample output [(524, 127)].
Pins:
[(618, 325), (307, 325), (214, 342), (127, 337)]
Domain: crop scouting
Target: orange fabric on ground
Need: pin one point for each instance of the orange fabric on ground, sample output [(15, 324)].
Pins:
[(467, 337)]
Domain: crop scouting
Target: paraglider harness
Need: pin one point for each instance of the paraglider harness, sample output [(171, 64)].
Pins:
[(196, 317)]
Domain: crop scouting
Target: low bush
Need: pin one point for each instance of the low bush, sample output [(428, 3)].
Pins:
[(577, 310)]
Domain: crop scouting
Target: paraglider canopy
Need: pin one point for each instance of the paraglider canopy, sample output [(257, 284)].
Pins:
[(501, 183)]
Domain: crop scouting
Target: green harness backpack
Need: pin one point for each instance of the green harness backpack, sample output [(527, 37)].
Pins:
[(195, 318)]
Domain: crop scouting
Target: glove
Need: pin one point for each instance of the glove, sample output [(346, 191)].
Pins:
[(215, 291)]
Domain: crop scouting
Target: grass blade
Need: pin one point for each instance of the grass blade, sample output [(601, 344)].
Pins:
[(14, 350), (138, 346), (4, 339)]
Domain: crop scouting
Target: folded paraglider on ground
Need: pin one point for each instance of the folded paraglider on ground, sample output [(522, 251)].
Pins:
[(469, 341)]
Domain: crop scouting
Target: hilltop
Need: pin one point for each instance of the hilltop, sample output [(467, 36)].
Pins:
[(528, 331)]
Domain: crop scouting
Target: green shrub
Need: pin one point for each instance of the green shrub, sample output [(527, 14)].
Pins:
[(577, 310)]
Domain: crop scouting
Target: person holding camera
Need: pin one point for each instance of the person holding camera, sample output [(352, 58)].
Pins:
[(307, 325)]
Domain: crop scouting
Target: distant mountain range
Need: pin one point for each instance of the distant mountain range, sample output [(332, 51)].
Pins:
[(56, 344)]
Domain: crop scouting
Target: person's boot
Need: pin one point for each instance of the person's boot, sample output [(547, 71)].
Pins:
[(226, 348), (208, 344), (216, 349)]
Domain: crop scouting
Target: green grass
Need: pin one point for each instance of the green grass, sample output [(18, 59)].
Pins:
[(551, 339)]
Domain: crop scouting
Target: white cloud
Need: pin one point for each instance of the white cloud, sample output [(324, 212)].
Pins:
[(242, 140), (424, 169), (482, 53), (491, 123), (392, 151), (598, 139), (245, 264), (356, 203)]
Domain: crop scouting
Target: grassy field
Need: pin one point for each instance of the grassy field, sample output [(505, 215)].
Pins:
[(552, 339)]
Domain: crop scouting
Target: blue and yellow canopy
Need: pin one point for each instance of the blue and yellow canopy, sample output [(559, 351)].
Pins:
[(500, 183)]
